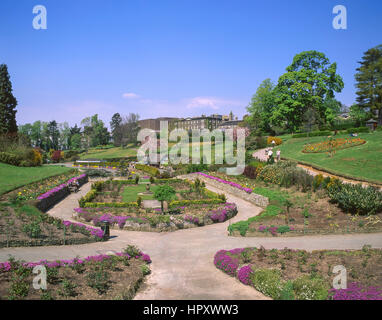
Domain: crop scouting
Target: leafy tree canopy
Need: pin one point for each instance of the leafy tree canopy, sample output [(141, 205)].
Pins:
[(309, 81)]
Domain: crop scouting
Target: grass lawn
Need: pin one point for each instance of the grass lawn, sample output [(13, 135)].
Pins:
[(110, 153), (12, 177), (130, 193), (362, 162)]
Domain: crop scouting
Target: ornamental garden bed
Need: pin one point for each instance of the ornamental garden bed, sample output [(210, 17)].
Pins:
[(316, 205), (102, 277), (24, 225), (55, 195), (333, 145), (139, 219), (300, 275), (33, 190), (310, 213), (47, 192), (125, 193), (242, 191)]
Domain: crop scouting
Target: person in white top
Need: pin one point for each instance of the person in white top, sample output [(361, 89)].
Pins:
[(278, 152), (270, 154)]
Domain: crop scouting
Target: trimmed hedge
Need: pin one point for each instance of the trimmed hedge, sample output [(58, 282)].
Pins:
[(357, 130), (312, 134), (148, 169), (109, 204)]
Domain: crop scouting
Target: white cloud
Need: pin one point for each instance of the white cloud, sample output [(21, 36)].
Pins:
[(130, 95), (210, 102)]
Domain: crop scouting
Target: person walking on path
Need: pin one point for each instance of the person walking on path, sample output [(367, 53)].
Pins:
[(270, 157)]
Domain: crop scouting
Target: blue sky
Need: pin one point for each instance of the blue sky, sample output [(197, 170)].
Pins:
[(169, 58)]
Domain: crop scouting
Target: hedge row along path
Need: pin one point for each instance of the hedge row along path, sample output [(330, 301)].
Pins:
[(182, 261), (260, 154)]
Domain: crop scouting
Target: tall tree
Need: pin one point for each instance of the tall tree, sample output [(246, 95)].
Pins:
[(53, 134), (116, 132), (369, 82), (261, 107), (95, 131), (358, 114), (64, 137), (8, 103), (130, 128), (308, 82), (36, 134)]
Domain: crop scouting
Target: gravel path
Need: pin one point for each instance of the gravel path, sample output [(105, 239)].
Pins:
[(182, 266)]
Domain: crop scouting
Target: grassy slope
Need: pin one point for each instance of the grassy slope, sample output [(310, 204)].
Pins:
[(12, 177), (110, 153), (362, 162)]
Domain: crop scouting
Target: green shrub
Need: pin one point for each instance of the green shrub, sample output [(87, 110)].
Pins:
[(139, 201), (19, 287), (283, 229), (52, 275), (97, 173), (287, 292), (196, 168), (306, 288), (67, 288), (9, 158), (132, 251), (32, 229), (268, 282), (109, 204), (99, 280), (87, 197), (312, 134), (46, 295), (145, 269), (357, 130), (148, 169), (355, 198)]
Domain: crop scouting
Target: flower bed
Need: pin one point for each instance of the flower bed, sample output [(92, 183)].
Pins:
[(300, 275), (332, 145), (26, 226), (116, 276), (357, 291), (76, 226), (33, 190), (233, 184), (50, 198), (7, 266), (158, 222)]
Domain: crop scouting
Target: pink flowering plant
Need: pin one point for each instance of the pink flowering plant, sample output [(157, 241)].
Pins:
[(233, 184), (357, 291), (8, 265)]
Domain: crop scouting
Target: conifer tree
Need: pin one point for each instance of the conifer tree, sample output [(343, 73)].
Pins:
[(7, 103), (369, 82)]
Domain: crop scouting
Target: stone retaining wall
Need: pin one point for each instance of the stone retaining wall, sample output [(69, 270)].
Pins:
[(254, 198)]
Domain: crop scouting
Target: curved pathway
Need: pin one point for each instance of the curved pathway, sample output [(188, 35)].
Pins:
[(182, 266)]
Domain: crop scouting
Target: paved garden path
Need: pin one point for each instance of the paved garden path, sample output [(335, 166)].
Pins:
[(182, 266)]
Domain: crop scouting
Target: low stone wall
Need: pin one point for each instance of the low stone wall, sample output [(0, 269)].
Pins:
[(254, 198)]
